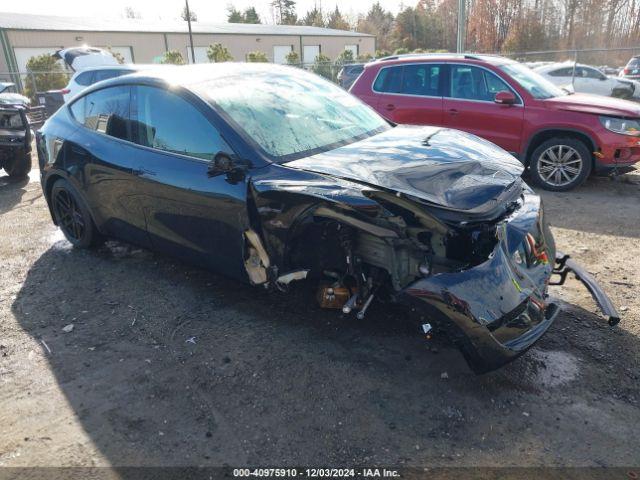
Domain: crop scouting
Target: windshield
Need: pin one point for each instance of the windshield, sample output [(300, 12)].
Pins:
[(534, 83), (290, 113)]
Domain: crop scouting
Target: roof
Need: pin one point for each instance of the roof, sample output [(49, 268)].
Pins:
[(23, 21), (412, 57), (194, 74), (565, 64)]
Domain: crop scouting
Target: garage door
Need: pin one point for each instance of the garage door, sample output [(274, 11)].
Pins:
[(200, 53), (23, 54), (280, 53), (310, 52)]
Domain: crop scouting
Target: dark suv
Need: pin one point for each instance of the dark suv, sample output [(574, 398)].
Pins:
[(561, 137), (631, 69), (15, 141)]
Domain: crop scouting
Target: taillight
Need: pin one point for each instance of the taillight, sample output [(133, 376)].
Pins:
[(626, 71), (64, 91)]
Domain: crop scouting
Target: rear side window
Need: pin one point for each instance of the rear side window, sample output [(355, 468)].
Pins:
[(591, 73), (105, 74), (562, 72), (167, 122), (421, 80), (85, 79), (107, 111), (77, 110), (415, 79), (389, 80)]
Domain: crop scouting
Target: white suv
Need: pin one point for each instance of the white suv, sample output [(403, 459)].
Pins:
[(83, 78)]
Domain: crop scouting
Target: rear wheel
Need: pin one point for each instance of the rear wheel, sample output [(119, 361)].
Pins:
[(72, 215), (560, 164), (19, 166)]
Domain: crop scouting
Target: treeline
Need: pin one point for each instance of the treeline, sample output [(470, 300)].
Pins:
[(492, 26)]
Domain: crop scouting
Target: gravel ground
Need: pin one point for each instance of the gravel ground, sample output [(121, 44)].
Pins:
[(170, 365)]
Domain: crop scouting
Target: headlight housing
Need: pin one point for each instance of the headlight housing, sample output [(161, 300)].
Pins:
[(625, 126)]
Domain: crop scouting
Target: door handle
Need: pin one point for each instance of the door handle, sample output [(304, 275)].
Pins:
[(143, 171), (389, 107), (453, 111)]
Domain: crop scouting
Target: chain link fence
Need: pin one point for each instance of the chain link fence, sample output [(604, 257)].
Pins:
[(610, 59)]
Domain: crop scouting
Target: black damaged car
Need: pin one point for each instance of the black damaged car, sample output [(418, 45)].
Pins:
[(15, 140), (272, 175)]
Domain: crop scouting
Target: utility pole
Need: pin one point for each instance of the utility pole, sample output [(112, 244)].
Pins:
[(461, 25), (193, 55)]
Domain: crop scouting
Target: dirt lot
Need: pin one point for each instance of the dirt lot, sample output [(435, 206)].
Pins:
[(171, 365)]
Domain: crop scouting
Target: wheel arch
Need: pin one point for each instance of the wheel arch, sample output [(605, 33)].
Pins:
[(50, 181), (48, 187), (546, 134)]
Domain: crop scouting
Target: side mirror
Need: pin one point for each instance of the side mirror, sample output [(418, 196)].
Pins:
[(505, 97), (229, 164)]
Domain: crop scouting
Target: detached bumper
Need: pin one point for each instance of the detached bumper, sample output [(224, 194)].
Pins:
[(497, 310), (565, 265)]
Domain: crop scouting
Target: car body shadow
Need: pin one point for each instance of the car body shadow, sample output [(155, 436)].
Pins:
[(170, 365), (11, 192)]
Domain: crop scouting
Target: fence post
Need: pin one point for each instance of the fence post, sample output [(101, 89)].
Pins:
[(35, 85)]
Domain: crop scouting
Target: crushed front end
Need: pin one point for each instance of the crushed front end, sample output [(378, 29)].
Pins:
[(479, 276), (495, 310)]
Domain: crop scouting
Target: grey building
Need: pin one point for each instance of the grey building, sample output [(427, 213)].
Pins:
[(23, 36)]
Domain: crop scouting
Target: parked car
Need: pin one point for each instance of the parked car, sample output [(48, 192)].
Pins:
[(586, 79), (274, 175), (15, 141), (9, 95), (561, 138), (348, 74), (607, 70), (631, 69), (90, 75)]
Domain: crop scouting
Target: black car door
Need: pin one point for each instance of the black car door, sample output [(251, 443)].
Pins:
[(189, 212), (102, 156)]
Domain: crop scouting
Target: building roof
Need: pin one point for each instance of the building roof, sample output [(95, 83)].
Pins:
[(23, 21)]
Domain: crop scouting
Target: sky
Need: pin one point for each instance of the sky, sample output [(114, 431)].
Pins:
[(208, 11)]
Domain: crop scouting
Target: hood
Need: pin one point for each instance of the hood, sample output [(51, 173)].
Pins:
[(594, 104), (14, 99), (445, 167)]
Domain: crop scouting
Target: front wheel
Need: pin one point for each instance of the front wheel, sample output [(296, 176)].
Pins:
[(560, 164), (72, 215)]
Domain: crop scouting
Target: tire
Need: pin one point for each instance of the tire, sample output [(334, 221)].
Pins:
[(72, 216), (560, 164), (19, 166)]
